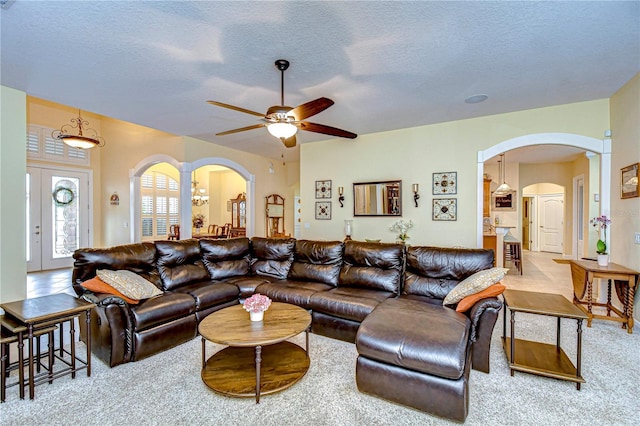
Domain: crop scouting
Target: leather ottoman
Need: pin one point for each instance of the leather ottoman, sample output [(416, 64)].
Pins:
[(416, 354)]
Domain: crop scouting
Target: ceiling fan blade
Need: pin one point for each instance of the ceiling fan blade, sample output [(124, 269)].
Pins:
[(235, 108), (310, 108), (241, 129), (290, 142), (327, 130)]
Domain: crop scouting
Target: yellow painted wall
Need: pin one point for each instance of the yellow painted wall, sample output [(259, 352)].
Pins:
[(412, 155), (13, 169), (625, 214)]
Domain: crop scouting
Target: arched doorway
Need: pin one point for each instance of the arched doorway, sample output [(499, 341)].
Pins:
[(601, 147), (185, 170)]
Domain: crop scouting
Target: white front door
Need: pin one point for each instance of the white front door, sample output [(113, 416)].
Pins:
[(551, 231), (57, 217)]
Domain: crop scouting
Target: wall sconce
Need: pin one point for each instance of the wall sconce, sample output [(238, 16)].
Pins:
[(347, 229), (416, 196), (341, 197)]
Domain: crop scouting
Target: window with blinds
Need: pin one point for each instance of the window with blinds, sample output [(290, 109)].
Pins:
[(159, 205), (42, 146)]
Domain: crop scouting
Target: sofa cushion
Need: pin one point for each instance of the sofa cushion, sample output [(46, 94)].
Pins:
[(272, 257), (348, 302), (373, 266), (247, 285), (474, 284), (96, 285), (418, 336), (318, 261), (161, 309), (492, 291), (290, 291), (435, 271), (139, 258), (210, 293), (179, 263), (225, 258), (129, 283)]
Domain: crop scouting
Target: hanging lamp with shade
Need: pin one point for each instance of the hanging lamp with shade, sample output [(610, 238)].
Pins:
[(85, 138), (504, 187)]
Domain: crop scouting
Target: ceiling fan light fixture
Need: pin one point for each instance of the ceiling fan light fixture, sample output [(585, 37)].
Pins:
[(282, 130)]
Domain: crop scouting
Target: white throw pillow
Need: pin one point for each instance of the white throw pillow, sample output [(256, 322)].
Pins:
[(129, 283), (474, 284)]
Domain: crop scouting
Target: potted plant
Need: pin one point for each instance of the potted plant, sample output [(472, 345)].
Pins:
[(601, 223), (256, 305), (401, 227), (198, 221)]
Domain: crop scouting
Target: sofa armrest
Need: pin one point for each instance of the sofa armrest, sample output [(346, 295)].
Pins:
[(476, 314)]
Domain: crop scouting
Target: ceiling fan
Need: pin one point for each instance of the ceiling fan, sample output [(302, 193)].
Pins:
[(283, 121)]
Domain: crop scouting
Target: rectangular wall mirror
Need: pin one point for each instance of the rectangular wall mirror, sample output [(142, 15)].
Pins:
[(377, 198)]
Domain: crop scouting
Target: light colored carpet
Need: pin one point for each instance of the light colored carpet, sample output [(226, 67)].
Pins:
[(166, 389)]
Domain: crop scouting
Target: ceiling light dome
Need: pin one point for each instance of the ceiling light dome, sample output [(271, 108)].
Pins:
[(282, 130)]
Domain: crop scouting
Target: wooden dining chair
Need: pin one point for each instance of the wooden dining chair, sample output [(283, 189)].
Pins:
[(212, 229)]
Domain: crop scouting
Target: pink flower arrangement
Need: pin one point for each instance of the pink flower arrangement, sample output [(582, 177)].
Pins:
[(257, 303)]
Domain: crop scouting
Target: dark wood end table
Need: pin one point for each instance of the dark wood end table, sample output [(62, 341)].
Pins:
[(49, 311), (237, 370), (541, 358)]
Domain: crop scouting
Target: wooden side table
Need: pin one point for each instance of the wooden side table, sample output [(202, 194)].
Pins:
[(541, 358), (48, 311), (583, 272)]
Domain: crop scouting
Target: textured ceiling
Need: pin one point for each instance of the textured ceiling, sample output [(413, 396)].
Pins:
[(387, 65)]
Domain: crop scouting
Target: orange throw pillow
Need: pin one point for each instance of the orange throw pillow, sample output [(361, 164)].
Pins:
[(98, 286), (491, 291)]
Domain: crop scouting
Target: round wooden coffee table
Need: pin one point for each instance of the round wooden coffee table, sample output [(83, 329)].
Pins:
[(258, 359)]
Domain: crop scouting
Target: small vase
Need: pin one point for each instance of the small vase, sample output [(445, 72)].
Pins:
[(603, 260), (256, 316), (197, 230)]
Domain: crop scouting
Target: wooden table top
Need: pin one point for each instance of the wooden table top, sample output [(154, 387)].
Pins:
[(40, 309), (542, 303), (612, 268), (231, 326)]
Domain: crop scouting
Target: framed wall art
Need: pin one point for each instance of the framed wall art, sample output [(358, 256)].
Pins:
[(445, 183), (629, 183), (445, 209), (323, 210), (506, 202), (323, 189)]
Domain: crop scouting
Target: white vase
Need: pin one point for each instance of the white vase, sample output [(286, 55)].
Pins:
[(603, 260), (256, 316)]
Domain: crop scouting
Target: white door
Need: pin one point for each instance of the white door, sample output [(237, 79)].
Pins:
[(57, 217), (551, 235), (579, 217)]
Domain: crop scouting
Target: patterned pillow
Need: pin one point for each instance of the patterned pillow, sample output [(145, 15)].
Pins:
[(129, 283), (474, 284)]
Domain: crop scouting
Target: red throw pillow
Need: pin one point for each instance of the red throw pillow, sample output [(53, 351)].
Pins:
[(493, 290), (98, 286)]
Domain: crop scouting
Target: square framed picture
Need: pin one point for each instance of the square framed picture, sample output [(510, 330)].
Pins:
[(323, 210), (323, 189), (445, 183), (629, 183), (445, 209)]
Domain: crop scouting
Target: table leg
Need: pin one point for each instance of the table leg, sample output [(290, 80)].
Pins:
[(61, 339), (21, 363), (307, 339), (558, 335), (88, 321), (513, 340), (4, 361), (579, 360), (608, 298), (630, 296), (31, 384), (50, 351), (72, 332), (203, 353), (589, 299), (258, 361)]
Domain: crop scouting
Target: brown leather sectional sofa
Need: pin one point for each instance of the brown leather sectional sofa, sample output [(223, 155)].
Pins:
[(385, 297)]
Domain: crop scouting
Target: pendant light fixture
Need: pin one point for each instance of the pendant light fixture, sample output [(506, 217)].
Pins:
[(79, 140), (504, 186), (198, 195)]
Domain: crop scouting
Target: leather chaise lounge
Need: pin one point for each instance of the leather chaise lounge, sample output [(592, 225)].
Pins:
[(386, 298)]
